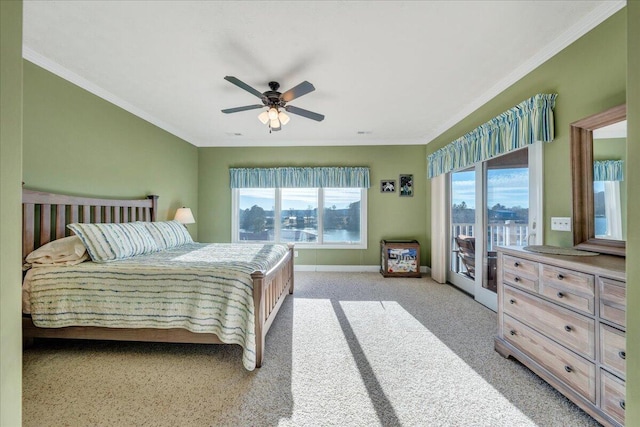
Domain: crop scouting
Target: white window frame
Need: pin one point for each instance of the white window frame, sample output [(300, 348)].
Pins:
[(235, 225)]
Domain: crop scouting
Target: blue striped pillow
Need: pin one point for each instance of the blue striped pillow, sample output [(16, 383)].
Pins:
[(168, 234), (110, 242)]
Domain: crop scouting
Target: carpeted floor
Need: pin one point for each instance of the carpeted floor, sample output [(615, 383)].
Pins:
[(349, 349)]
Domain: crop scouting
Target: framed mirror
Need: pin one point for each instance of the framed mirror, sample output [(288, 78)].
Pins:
[(589, 197)]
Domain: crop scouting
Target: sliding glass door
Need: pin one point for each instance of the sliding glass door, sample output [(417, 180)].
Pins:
[(462, 214), (494, 203)]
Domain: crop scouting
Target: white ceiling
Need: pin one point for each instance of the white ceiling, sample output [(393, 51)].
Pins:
[(403, 72)]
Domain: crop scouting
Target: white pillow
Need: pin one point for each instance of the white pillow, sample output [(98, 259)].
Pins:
[(110, 242), (66, 251), (168, 234)]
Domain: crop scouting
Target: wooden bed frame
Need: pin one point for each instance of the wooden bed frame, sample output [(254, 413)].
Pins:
[(45, 218)]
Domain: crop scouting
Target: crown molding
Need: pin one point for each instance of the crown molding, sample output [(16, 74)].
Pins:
[(253, 142), (579, 29), (60, 71)]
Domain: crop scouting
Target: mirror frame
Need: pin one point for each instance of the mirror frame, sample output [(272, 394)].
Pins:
[(582, 182)]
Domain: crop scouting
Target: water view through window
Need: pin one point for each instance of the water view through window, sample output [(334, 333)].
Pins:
[(341, 215), (305, 215)]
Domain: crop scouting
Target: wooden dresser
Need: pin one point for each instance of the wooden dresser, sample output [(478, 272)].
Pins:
[(564, 318)]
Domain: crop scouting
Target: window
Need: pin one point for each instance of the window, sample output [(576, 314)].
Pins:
[(607, 211), (309, 217), (255, 214)]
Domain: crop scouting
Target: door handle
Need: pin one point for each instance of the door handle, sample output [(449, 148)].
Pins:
[(529, 238)]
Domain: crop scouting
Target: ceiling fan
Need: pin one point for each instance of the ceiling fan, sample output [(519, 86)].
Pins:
[(275, 101)]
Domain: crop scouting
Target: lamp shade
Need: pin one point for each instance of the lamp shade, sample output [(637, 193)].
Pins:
[(284, 119), (264, 117), (184, 216)]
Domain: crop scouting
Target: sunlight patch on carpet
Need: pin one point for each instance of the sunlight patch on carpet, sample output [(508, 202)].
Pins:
[(385, 357)]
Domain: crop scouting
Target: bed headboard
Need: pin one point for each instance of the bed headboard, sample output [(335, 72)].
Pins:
[(45, 216)]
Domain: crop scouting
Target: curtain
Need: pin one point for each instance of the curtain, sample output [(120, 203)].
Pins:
[(524, 124), (297, 177), (439, 232), (608, 170), (613, 210)]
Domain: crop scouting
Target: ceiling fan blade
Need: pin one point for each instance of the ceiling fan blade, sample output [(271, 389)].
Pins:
[(295, 92), (304, 113), (244, 86), (245, 108)]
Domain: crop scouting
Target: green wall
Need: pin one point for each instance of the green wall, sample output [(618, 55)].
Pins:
[(10, 212), (633, 200), (389, 216), (589, 76), (78, 143)]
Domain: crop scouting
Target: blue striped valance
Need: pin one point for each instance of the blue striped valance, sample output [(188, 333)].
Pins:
[(327, 177), (608, 170), (524, 124)]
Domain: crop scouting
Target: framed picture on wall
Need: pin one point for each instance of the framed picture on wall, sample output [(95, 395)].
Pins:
[(388, 186), (406, 185)]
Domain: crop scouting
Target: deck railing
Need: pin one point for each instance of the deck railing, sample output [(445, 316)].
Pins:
[(506, 233)]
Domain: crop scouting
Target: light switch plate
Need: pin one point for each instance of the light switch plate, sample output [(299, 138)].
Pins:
[(559, 223)]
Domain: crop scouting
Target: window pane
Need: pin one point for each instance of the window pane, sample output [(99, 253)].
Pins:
[(341, 215), (256, 214), (463, 221), (599, 209), (607, 211), (299, 215), (507, 207)]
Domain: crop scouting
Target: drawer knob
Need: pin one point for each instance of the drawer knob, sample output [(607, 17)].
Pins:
[(622, 354), (517, 279), (512, 332), (568, 328), (516, 264), (512, 301), (568, 368), (622, 404), (560, 295), (560, 276)]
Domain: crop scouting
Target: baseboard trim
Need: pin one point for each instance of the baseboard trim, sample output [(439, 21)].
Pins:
[(348, 268)]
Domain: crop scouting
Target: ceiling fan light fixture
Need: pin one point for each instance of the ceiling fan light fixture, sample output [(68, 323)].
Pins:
[(274, 101), (264, 117), (284, 119)]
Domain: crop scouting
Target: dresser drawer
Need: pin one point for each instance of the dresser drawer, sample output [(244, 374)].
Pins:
[(569, 288), (514, 279), (613, 349), (565, 326), (612, 396), (613, 300), (520, 267), (575, 371)]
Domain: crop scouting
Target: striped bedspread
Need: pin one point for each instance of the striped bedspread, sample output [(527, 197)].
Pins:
[(199, 287)]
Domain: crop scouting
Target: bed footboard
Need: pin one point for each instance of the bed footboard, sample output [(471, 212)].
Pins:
[(269, 291)]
